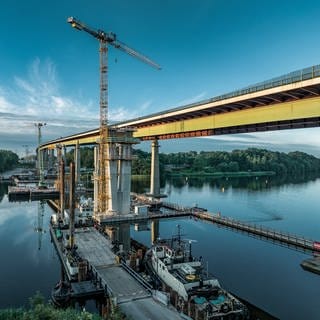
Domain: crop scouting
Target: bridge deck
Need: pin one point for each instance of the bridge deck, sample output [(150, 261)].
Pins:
[(287, 102)]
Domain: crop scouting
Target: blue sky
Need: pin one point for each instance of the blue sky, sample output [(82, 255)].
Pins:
[(49, 71)]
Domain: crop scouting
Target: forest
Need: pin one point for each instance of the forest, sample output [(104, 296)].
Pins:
[(8, 160), (215, 162), (252, 159)]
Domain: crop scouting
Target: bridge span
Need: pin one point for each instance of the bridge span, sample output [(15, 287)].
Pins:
[(287, 102)]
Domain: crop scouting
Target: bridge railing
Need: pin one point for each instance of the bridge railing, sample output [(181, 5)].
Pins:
[(292, 77)]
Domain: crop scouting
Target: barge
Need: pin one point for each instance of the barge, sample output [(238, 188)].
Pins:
[(196, 292)]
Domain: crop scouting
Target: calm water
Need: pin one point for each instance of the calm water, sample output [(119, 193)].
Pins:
[(24, 268), (265, 274)]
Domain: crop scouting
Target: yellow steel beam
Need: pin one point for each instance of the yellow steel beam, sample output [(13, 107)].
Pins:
[(294, 110), (71, 142), (301, 109)]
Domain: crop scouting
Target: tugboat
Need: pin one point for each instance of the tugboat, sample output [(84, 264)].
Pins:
[(61, 294), (192, 289)]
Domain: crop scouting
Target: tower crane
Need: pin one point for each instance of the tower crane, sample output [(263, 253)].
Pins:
[(104, 39)]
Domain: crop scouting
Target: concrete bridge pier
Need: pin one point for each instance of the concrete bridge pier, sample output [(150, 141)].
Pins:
[(51, 160), (40, 167), (116, 172), (124, 178), (64, 152), (61, 181), (77, 162), (155, 170)]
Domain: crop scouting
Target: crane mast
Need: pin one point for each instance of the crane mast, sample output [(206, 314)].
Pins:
[(104, 39)]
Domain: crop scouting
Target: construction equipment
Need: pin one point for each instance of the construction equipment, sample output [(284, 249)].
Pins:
[(106, 38), (39, 125)]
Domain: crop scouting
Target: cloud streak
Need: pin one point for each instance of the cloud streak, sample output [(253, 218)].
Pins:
[(36, 97), (193, 99)]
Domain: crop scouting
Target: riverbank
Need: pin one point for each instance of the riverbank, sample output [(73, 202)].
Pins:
[(41, 310), (237, 174)]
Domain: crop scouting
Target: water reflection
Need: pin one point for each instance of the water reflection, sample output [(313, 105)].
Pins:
[(25, 268), (3, 190), (259, 183), (248, 267)]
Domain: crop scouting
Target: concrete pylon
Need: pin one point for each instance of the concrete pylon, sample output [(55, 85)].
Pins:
[(155, 171), (124, 178), (51, 160), (77, 163), (117, 175)]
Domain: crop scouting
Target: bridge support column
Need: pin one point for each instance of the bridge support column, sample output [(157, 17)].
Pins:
[(155, 171), (61, 182), (111, 178), (41, 168), (64, 152), (77, 163), (45, 160), (96, 180), (51, 160), (118, 171), (124, 178)]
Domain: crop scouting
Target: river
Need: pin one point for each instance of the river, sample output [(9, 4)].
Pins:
[(261, 272)]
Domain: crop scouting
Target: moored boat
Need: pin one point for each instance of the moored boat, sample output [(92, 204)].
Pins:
[(193, 290)]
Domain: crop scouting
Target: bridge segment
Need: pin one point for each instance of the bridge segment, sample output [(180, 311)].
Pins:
[(287, 102)]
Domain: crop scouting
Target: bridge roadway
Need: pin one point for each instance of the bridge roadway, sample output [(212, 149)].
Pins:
[(126, 289), (287, 102)]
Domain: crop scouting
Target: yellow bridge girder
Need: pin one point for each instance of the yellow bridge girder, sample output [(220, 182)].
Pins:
[(73, 141), (293, 110), (284, 111)]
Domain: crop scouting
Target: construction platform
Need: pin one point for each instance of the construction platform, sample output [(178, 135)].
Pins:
[(28, 193), (127, 289)]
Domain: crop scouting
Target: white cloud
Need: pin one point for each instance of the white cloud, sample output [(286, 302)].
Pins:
[(122, 113), (307, 137), (193, 99), (146, 105), (36, 97)]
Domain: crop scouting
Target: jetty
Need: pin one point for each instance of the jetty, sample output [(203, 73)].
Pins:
[(30, 193)]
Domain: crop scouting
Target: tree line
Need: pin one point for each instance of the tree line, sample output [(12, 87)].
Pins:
[(8, 160), (252, 159), (211, 162)]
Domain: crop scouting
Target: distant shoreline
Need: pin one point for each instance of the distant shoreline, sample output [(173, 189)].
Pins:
[(237, 174)]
